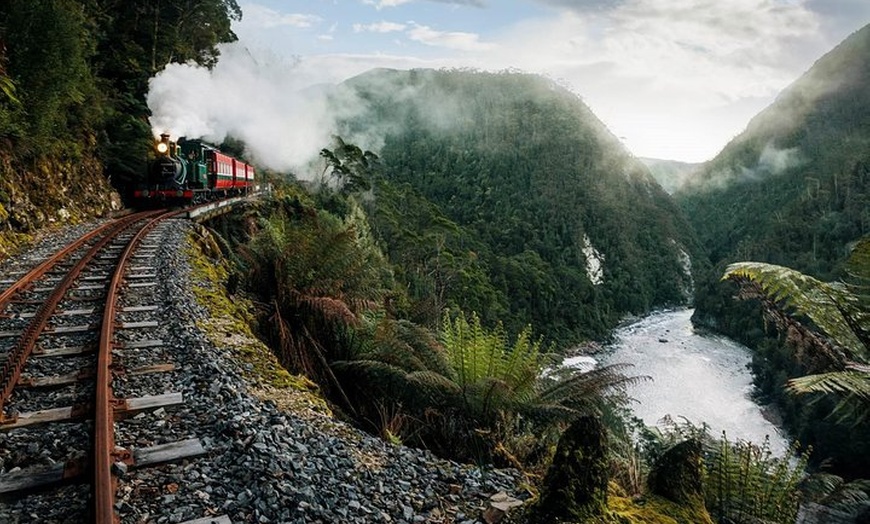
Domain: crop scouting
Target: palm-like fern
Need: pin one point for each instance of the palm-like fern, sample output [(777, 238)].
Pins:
[(849, 498), (827, 320), (320, 284), (476, 389), (492, 375)]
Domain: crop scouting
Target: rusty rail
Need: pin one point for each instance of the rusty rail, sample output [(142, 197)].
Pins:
[(46, 266), (104, 428), (10, 372)]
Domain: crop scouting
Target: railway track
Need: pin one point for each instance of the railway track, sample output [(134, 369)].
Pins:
[(76, 332)]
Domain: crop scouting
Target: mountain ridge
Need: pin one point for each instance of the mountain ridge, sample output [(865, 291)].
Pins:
[(526, 169)]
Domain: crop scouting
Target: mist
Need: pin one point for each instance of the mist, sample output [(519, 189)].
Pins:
[(280, 112), (771, 162)]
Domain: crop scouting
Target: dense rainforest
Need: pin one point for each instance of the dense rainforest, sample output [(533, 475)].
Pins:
[(793, 189), (415, 282), (537, 212), (73, 80)]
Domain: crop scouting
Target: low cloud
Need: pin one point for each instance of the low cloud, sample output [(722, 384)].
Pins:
[(776, 161), (772, 161)]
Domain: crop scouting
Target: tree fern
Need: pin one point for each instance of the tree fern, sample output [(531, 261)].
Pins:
[(834, 492), (840, 311), (830, 306)]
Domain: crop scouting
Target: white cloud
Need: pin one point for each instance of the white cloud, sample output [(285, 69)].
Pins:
[(266, 17), (380, 4), (456, 40), (676, 78), (379, 27)]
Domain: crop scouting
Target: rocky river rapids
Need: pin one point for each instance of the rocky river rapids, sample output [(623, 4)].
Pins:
[(701, 377)]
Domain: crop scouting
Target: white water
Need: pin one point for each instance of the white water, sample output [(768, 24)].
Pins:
[(703, 378)]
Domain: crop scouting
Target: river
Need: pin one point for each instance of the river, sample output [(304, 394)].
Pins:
[(701, 377)]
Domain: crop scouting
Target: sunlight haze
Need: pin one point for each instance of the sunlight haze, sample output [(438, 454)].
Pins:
[(673, 79)]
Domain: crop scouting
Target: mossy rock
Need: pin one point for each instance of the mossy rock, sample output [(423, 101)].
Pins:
[(677, 474), (575, 488)]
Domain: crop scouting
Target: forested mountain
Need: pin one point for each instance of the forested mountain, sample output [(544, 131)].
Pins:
[(505, 195), (793, 190), (794, 187)]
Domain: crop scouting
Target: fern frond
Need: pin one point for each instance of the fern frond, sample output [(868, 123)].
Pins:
[(823, 303), (850, 382), (434, 381)]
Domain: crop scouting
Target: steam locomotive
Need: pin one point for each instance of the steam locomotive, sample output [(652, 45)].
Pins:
[(192, 172)]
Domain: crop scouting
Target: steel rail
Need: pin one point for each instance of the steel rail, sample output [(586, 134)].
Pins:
[(46, 266), (104, 425), (10, 372)]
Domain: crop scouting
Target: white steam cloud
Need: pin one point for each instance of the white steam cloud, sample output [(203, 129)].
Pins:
[(267, 103)]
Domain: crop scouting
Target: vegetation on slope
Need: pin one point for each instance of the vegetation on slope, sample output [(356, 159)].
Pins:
[(526, 189), (469, 392), (794, 187), (827, 328), (792, 190), (73, 79)]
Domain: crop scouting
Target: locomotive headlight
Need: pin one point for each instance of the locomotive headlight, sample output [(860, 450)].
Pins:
[(162, 147)]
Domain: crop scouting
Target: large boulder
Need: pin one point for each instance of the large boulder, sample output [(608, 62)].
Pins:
[(575, 488), (676, 476)]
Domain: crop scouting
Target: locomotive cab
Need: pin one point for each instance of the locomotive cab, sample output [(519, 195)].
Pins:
[(196, 154)]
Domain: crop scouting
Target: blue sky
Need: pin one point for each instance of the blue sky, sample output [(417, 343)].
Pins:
[(672, 78)]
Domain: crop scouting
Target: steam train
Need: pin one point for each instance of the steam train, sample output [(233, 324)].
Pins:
[(192, 172)]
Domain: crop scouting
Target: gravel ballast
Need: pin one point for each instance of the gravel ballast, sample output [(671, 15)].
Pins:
[(262, 463)]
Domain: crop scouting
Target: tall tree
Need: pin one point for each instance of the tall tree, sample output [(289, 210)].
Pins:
[(50, 45), (137, 40)]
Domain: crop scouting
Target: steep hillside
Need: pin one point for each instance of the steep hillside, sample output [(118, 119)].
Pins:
[(794, 187), (543, 216)]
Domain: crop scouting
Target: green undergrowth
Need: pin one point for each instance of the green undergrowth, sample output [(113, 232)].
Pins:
[(649, 509), (229, 326), (13, 242)]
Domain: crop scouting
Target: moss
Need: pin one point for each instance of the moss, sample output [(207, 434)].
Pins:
[(12, 243), (51, 191), (653, 510), (229, 326), (576, 485)]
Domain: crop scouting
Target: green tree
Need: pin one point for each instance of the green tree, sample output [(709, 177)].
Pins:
[(50, 46), (135, 41)]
